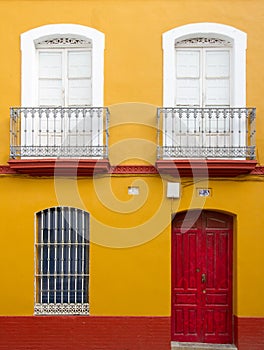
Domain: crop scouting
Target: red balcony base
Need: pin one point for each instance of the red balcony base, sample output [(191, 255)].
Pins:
[(85, 167), (59, 167), (205, 167)]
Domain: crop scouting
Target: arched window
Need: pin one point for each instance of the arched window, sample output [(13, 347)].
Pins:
[(62, 88), (207, 61), (62, 65), (62, 261), (204, 93)]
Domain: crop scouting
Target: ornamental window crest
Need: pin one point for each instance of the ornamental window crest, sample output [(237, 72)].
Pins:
[(63, 42), (203, 42)]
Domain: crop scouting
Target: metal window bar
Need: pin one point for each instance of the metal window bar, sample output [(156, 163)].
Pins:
[(74, 271), (62, 254), (215, 132), (66, 132), (61, 276)]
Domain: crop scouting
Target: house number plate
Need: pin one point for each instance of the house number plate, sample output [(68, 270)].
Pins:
[(204, 192)]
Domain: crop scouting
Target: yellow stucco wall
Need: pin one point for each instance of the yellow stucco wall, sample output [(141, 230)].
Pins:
[(130, 249), (133, 44)]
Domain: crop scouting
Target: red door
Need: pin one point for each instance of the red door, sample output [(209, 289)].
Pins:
[(202, 277)]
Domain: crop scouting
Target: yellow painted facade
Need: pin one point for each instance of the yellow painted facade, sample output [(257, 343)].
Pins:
[(130, 259)]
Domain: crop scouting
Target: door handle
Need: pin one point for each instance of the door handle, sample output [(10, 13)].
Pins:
[(203, 278)]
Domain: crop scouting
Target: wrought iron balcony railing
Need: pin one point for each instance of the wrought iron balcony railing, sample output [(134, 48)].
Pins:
[(65, 132), (227, 133)]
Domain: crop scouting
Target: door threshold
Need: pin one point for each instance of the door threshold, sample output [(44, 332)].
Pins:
[(201, 346)]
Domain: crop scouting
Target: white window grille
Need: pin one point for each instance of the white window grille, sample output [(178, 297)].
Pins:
[(62, 261)]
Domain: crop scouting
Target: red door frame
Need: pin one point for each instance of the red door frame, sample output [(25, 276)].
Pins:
[(202, 311)]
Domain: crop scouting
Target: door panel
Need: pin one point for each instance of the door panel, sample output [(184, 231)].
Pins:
[(202, 278), (217, 63), (217, 92), (79, 64), (188, 63), (186, 284), (188, 92)]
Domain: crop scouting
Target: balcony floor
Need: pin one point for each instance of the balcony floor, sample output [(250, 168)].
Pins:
[(205, 167), (59, 167)]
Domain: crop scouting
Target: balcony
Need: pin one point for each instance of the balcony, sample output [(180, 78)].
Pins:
[(64, 139), (206, 141)]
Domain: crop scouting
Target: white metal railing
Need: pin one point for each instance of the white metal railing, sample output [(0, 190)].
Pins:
[(62, 261), (66, 132), (189, 132)]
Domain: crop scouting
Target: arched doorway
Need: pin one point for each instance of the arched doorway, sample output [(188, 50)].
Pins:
[(202, 264)]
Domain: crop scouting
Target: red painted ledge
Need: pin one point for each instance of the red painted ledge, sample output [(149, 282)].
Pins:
[(5, 170), (205, 167), (259, 170), (59, 167), (88, 167), (133, 169)]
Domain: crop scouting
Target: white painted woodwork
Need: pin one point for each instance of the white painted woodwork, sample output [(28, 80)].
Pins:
[(202, 80), (202, 77), (65, 78)]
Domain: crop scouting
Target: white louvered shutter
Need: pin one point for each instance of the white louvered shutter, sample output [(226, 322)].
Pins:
[(217, 94), (188, 93), (50, 78), (217, 77), (50, 94), (79, 78), (65, 80), (188, 77)]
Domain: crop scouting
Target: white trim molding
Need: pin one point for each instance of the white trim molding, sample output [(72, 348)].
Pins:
[(238, 40), (29, 63)]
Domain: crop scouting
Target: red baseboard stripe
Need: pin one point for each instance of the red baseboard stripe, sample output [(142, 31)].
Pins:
[(84, 333), (249, 333)]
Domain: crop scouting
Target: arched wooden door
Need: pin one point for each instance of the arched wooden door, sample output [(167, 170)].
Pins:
[(202, 277)]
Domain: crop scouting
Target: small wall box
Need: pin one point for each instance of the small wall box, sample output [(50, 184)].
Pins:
[(173, 190)]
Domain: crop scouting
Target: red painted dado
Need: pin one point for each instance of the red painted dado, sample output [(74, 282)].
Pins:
[(84, 333), (205, 167), (249, 333)]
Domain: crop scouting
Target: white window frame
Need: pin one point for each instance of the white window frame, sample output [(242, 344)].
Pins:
[(29, 74), (216, 30)]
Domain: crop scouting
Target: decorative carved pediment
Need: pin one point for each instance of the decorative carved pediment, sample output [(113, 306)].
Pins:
[(61, 42), (203, 42)]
